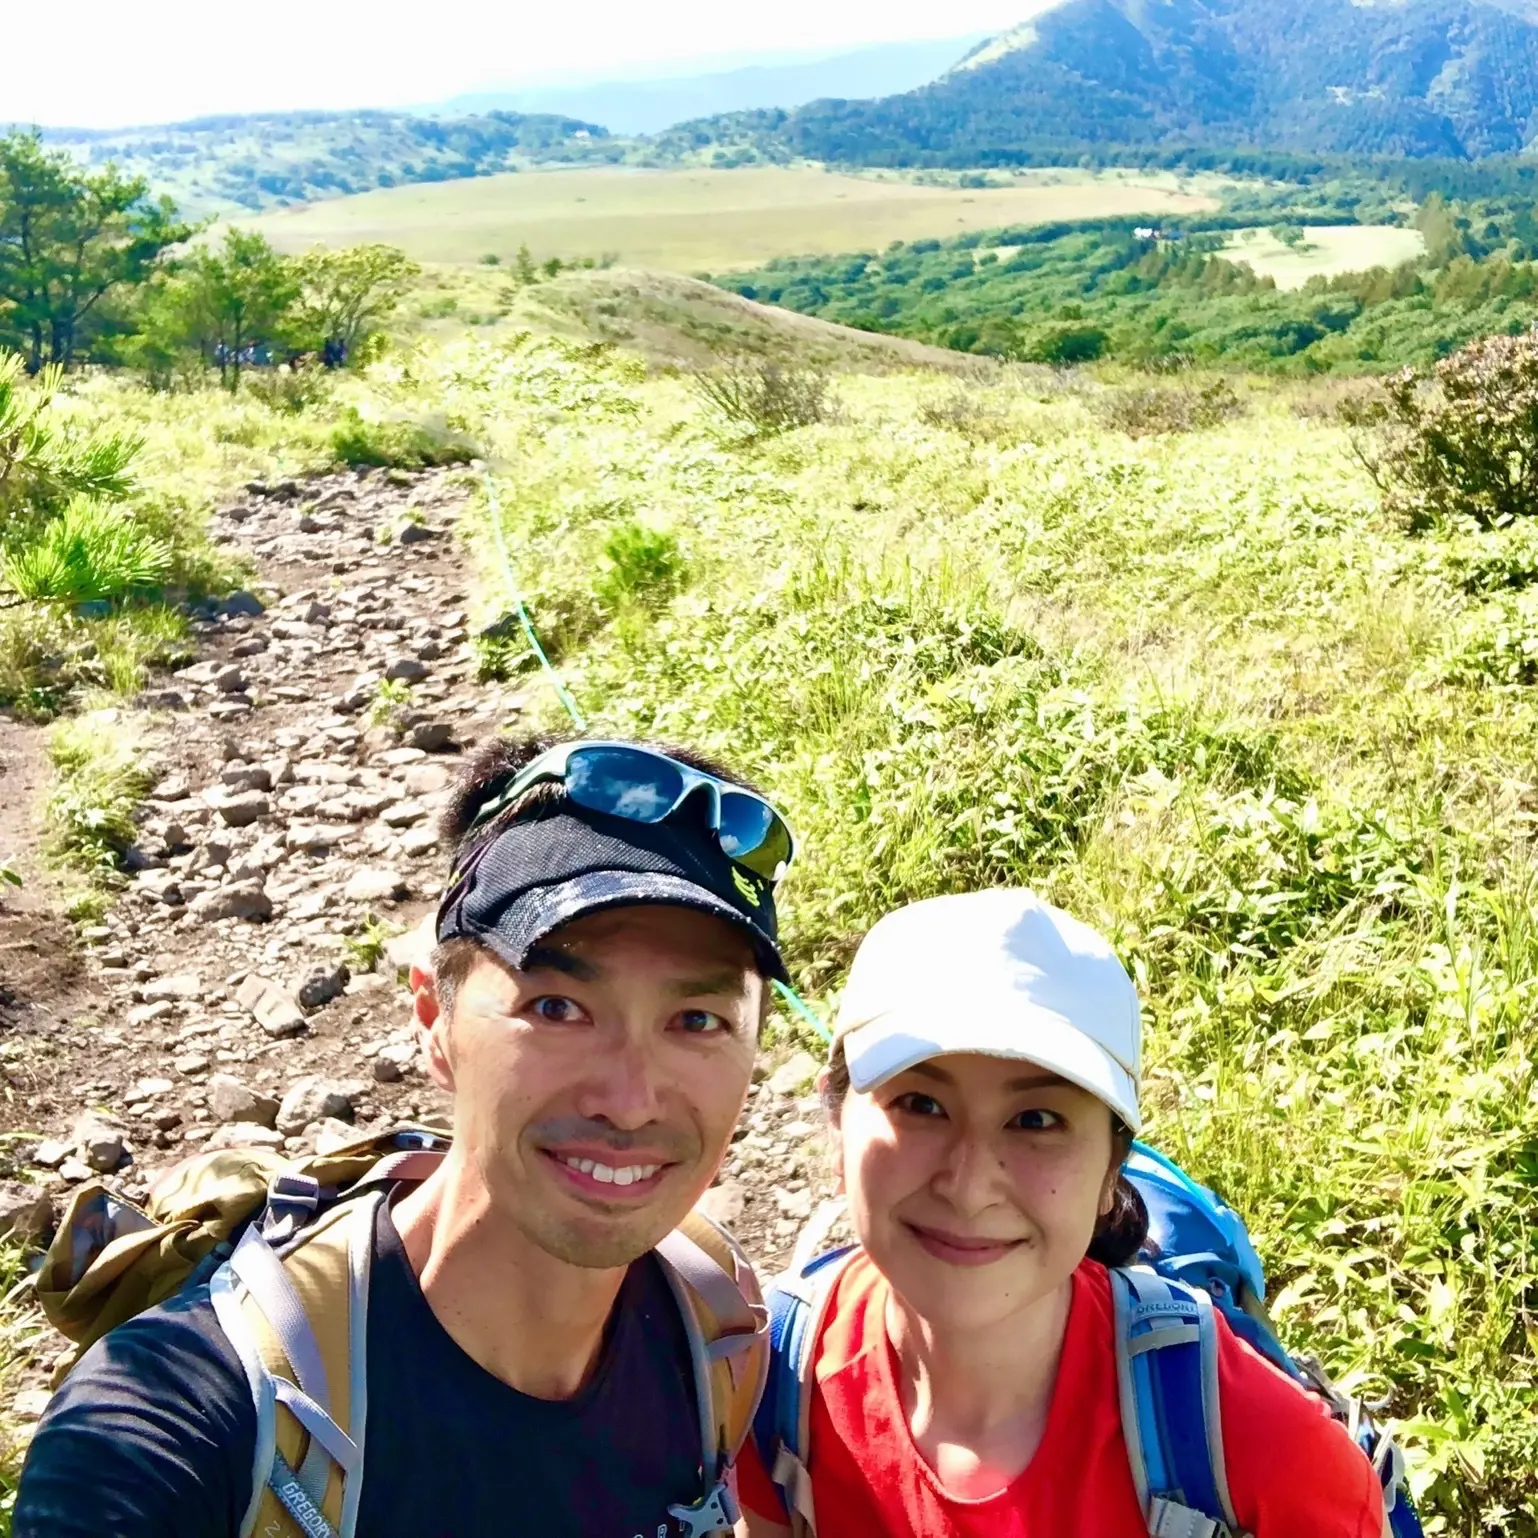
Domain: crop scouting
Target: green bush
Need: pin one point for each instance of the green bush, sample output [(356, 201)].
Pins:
[(643, 566), (1460, 440), (100, 778), (1139, 410), (762, 397), (89, 552), (399, 444)]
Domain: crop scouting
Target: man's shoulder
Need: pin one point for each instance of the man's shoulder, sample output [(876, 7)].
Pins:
[(160, 1412)]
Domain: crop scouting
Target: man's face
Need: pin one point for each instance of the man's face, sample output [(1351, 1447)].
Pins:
[(595, 1091)]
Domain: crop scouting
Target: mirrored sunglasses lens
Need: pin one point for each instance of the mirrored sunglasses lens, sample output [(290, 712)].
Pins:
[(623, 783), (754, 834)]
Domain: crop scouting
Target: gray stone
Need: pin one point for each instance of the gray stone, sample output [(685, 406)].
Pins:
[(229, 680), (416, 533), (394, 1061), (407, 670), (795, 1075), (331, 1134), (322, 985), (51, 1153), (238, 900), (26, 1211), (374, 884), (314, 1098), (239, 777), (419, 841), (431, 736), (242, 602), (239, 809), (230, 1101), (314, 838), (244, 1134), (147, 1089), (75, 1170), (723, 1203), (403, 814), (191, 1064), (424, 779), (180, 985), (98, 1141), (273, 1009)]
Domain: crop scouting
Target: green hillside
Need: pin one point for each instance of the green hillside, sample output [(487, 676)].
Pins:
[(273, 159)]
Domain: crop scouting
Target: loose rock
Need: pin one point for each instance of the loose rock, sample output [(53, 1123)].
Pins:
[(314, 1098), (231, 1101)]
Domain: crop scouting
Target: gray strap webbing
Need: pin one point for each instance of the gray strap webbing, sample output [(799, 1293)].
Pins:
[(296, 1500), (1166, 1335), (321, 1427), (739, 1322), (221, 1292), (1168, 1520)]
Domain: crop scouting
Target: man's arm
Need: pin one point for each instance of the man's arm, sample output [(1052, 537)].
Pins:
[(151, 1436)]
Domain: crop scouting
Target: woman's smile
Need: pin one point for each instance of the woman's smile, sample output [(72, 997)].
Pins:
[(961, 1249)]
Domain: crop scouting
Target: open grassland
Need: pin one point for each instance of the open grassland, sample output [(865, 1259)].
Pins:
[(1325, 251), (1196, 687), (690, 221)]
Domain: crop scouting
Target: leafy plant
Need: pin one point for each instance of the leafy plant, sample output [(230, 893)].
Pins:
[(398, 444), (365, 947), (764, 397), (1460, 441), (643, 565), (1139, 410), (290, 389), (391, 696), (99, 779), (9, 875), (89, 552)]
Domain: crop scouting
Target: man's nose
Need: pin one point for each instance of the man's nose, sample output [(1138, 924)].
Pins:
[(621, 1085)]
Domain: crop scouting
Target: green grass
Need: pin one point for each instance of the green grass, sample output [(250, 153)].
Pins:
[(1193, 686), (1325, 251), (686, 221)]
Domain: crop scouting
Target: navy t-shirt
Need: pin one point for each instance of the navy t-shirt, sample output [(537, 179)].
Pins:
[(153, 1434)]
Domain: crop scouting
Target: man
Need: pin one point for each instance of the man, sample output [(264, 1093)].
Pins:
[(600, 977)]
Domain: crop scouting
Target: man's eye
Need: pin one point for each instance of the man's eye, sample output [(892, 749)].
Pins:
[(701, 1022), (917, 1104), (558, 1010), (1037, 1121)]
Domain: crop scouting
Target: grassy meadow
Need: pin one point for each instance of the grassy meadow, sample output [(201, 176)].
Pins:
[(1325, 251), (699, 220), (1196, 686)]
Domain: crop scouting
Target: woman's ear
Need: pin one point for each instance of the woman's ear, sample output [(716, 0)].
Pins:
[(832, 1109)]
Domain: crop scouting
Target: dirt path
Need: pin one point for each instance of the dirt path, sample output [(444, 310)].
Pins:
[(242, 990)]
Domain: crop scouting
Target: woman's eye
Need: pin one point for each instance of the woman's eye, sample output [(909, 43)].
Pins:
[(701, 1022), (558, 1010), (1037, 1121), (917, 1104)]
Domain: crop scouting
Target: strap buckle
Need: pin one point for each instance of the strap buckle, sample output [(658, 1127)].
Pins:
[(292, 1200), (715, 1512)]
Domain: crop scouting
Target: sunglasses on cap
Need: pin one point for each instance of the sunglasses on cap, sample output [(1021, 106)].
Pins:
[(643, 785)]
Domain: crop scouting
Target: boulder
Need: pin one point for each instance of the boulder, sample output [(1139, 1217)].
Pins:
[(241, 808), (244, 1134), (26, 1211), (274, 1010), (369, 884), (179, 985), (315, 1098), (406, 670), (99, 1141), (322, 984), (238, 900), (231, 1101)]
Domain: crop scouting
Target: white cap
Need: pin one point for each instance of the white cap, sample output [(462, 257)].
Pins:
[(1001, 973)]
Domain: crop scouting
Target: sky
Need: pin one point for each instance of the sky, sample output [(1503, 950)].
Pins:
[(171, 59)]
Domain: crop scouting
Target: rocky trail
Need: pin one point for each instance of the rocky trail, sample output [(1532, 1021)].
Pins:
[(243, 989)]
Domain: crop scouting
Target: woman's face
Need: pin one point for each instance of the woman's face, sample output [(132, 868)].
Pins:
[(975, 1183)]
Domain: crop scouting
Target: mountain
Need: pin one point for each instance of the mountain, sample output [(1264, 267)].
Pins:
[(1450, 78), (267, 160), (646, 106)]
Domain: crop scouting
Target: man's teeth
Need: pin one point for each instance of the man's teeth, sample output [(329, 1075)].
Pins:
[(625, 1175)]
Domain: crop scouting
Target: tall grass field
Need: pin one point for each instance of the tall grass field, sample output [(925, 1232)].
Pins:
[(701, 220), (1196, 686)]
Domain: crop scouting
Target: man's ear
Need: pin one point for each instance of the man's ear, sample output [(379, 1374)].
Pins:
[(434, 1026)]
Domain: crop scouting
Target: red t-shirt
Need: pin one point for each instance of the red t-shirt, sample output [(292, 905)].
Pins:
[(1292, 1472)]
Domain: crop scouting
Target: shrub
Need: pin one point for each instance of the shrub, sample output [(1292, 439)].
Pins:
[(1067, 344), (100, 778), (965, 413), (397, 444), (1460, 441), (644, 565), (1141, 410), (289, 390), (764, 397), (89, 552)]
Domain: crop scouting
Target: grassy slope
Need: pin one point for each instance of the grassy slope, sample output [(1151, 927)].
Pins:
[(698, 220), (1326, 251), (1196, 689)]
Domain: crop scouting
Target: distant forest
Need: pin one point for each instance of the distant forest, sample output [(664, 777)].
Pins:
[(1119, 289)]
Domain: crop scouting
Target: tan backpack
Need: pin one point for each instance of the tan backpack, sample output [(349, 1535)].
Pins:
[(286, 1247)]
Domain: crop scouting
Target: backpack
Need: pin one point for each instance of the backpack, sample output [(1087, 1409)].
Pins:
[(286, 1247), (1198, 1261)]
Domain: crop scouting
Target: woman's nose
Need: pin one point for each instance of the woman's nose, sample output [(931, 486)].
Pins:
[(968, 1177)]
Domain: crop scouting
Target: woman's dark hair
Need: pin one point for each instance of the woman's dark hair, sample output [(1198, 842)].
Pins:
[(1119, 1234)]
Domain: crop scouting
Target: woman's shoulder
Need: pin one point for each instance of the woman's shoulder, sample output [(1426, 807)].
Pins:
[(1291, 1466)]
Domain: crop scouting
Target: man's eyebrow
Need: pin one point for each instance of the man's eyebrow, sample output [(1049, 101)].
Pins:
[(727, 981), (1043, 1079), (546, 958)]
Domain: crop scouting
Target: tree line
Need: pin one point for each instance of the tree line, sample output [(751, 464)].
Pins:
[(95, 268)]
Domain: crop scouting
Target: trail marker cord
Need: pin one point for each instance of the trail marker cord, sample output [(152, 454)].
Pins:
[(797, 1004)]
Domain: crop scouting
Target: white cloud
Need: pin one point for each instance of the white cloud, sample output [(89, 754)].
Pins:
[(172, 59)]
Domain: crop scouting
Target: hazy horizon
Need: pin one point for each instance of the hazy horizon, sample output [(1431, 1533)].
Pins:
[(127, 74)]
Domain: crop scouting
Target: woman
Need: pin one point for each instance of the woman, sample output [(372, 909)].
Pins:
[(983, 1092)]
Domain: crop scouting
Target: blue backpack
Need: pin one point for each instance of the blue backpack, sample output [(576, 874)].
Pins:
[(1198, 1261)]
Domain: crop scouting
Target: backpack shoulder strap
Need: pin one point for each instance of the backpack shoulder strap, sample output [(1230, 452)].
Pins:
[(798, 1304), (1167, 1376), (298, 1321), (728, 1330)]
